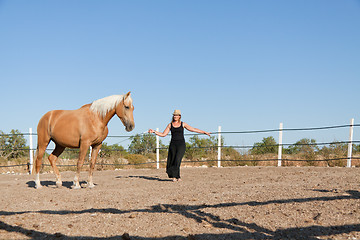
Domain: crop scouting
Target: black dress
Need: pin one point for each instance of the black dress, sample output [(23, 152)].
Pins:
[(176, 151)]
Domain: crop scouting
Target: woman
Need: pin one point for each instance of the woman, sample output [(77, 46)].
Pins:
[(177, 144)]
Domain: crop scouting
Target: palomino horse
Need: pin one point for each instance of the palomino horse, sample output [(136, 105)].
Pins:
[(81, 128)]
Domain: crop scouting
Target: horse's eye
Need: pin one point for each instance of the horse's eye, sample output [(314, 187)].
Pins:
[(127, 107)]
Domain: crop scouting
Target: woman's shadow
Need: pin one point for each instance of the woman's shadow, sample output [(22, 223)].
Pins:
[(148, 178)]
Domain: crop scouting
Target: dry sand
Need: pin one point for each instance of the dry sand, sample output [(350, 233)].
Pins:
[(210, 203)]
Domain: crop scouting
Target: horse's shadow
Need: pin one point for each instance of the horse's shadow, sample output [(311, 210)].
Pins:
[(66, 184), (148, 178)]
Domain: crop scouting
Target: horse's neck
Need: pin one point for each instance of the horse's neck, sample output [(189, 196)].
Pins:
[(105, 120), (108, 117)]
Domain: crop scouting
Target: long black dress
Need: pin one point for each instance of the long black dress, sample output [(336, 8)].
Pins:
[(176, 151)]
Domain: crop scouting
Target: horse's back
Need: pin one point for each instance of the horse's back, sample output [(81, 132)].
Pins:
[(52, 117)]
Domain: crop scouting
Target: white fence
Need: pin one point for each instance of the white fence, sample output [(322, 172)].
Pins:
[(280, 144)]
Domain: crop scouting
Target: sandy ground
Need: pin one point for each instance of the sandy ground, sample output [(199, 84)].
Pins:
[(210, 203)]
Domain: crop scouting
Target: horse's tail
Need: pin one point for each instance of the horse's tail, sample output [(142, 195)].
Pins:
[(43, 139), (36, 159)]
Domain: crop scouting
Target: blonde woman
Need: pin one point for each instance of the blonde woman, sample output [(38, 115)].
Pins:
[(177, 144)]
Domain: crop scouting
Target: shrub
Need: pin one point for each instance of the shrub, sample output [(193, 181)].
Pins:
[(137, 160)]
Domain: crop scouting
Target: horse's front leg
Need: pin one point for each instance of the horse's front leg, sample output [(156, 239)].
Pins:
[(94, 154), (82, 153)]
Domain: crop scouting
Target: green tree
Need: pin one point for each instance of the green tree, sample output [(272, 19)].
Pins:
[(200, 147), (303, 146), (108, 150), (12, 145), (267, 145), (206, 143), (143, 144), (306, 149)]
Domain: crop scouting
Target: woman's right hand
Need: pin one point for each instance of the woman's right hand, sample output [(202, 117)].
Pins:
[(151, 131)]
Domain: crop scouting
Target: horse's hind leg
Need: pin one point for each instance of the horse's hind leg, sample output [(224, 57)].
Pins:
[(52, 159), (43, 142), (39, 155)]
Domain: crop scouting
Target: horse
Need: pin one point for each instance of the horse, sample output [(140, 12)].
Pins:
[(80, 128)]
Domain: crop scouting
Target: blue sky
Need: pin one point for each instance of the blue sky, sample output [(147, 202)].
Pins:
[(244, 65)]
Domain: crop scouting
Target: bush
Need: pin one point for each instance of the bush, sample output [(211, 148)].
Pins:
[(334, 151), (137, 160)]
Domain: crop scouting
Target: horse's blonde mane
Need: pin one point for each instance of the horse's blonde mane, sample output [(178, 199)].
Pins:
[(104, 105)]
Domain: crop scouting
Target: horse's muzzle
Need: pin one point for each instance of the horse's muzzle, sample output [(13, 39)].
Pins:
[(129, 126)]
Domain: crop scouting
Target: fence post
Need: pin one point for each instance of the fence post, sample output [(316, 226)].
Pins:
[(31, 151), (157, 150), (280, 144), (349, 154), (219, 146)]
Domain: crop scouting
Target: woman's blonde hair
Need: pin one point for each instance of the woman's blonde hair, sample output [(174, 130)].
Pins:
[(172, 119)]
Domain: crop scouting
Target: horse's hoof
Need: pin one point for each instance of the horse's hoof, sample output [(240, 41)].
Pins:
[(91, 186), (59, 184), (38, 186), (75, 187)]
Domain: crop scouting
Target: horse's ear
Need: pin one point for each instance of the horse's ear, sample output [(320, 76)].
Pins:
[(127, 95)]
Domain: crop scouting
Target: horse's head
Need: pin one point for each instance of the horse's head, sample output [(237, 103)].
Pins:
[(124, 110)]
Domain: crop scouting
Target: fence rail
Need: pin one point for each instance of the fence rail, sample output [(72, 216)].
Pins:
[(219, 147), (226, 132)]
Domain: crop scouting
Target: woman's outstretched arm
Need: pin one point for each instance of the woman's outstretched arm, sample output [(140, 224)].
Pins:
[(188, 127), (161, 134)]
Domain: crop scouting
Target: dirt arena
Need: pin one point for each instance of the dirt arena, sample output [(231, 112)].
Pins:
[(210, 203)]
